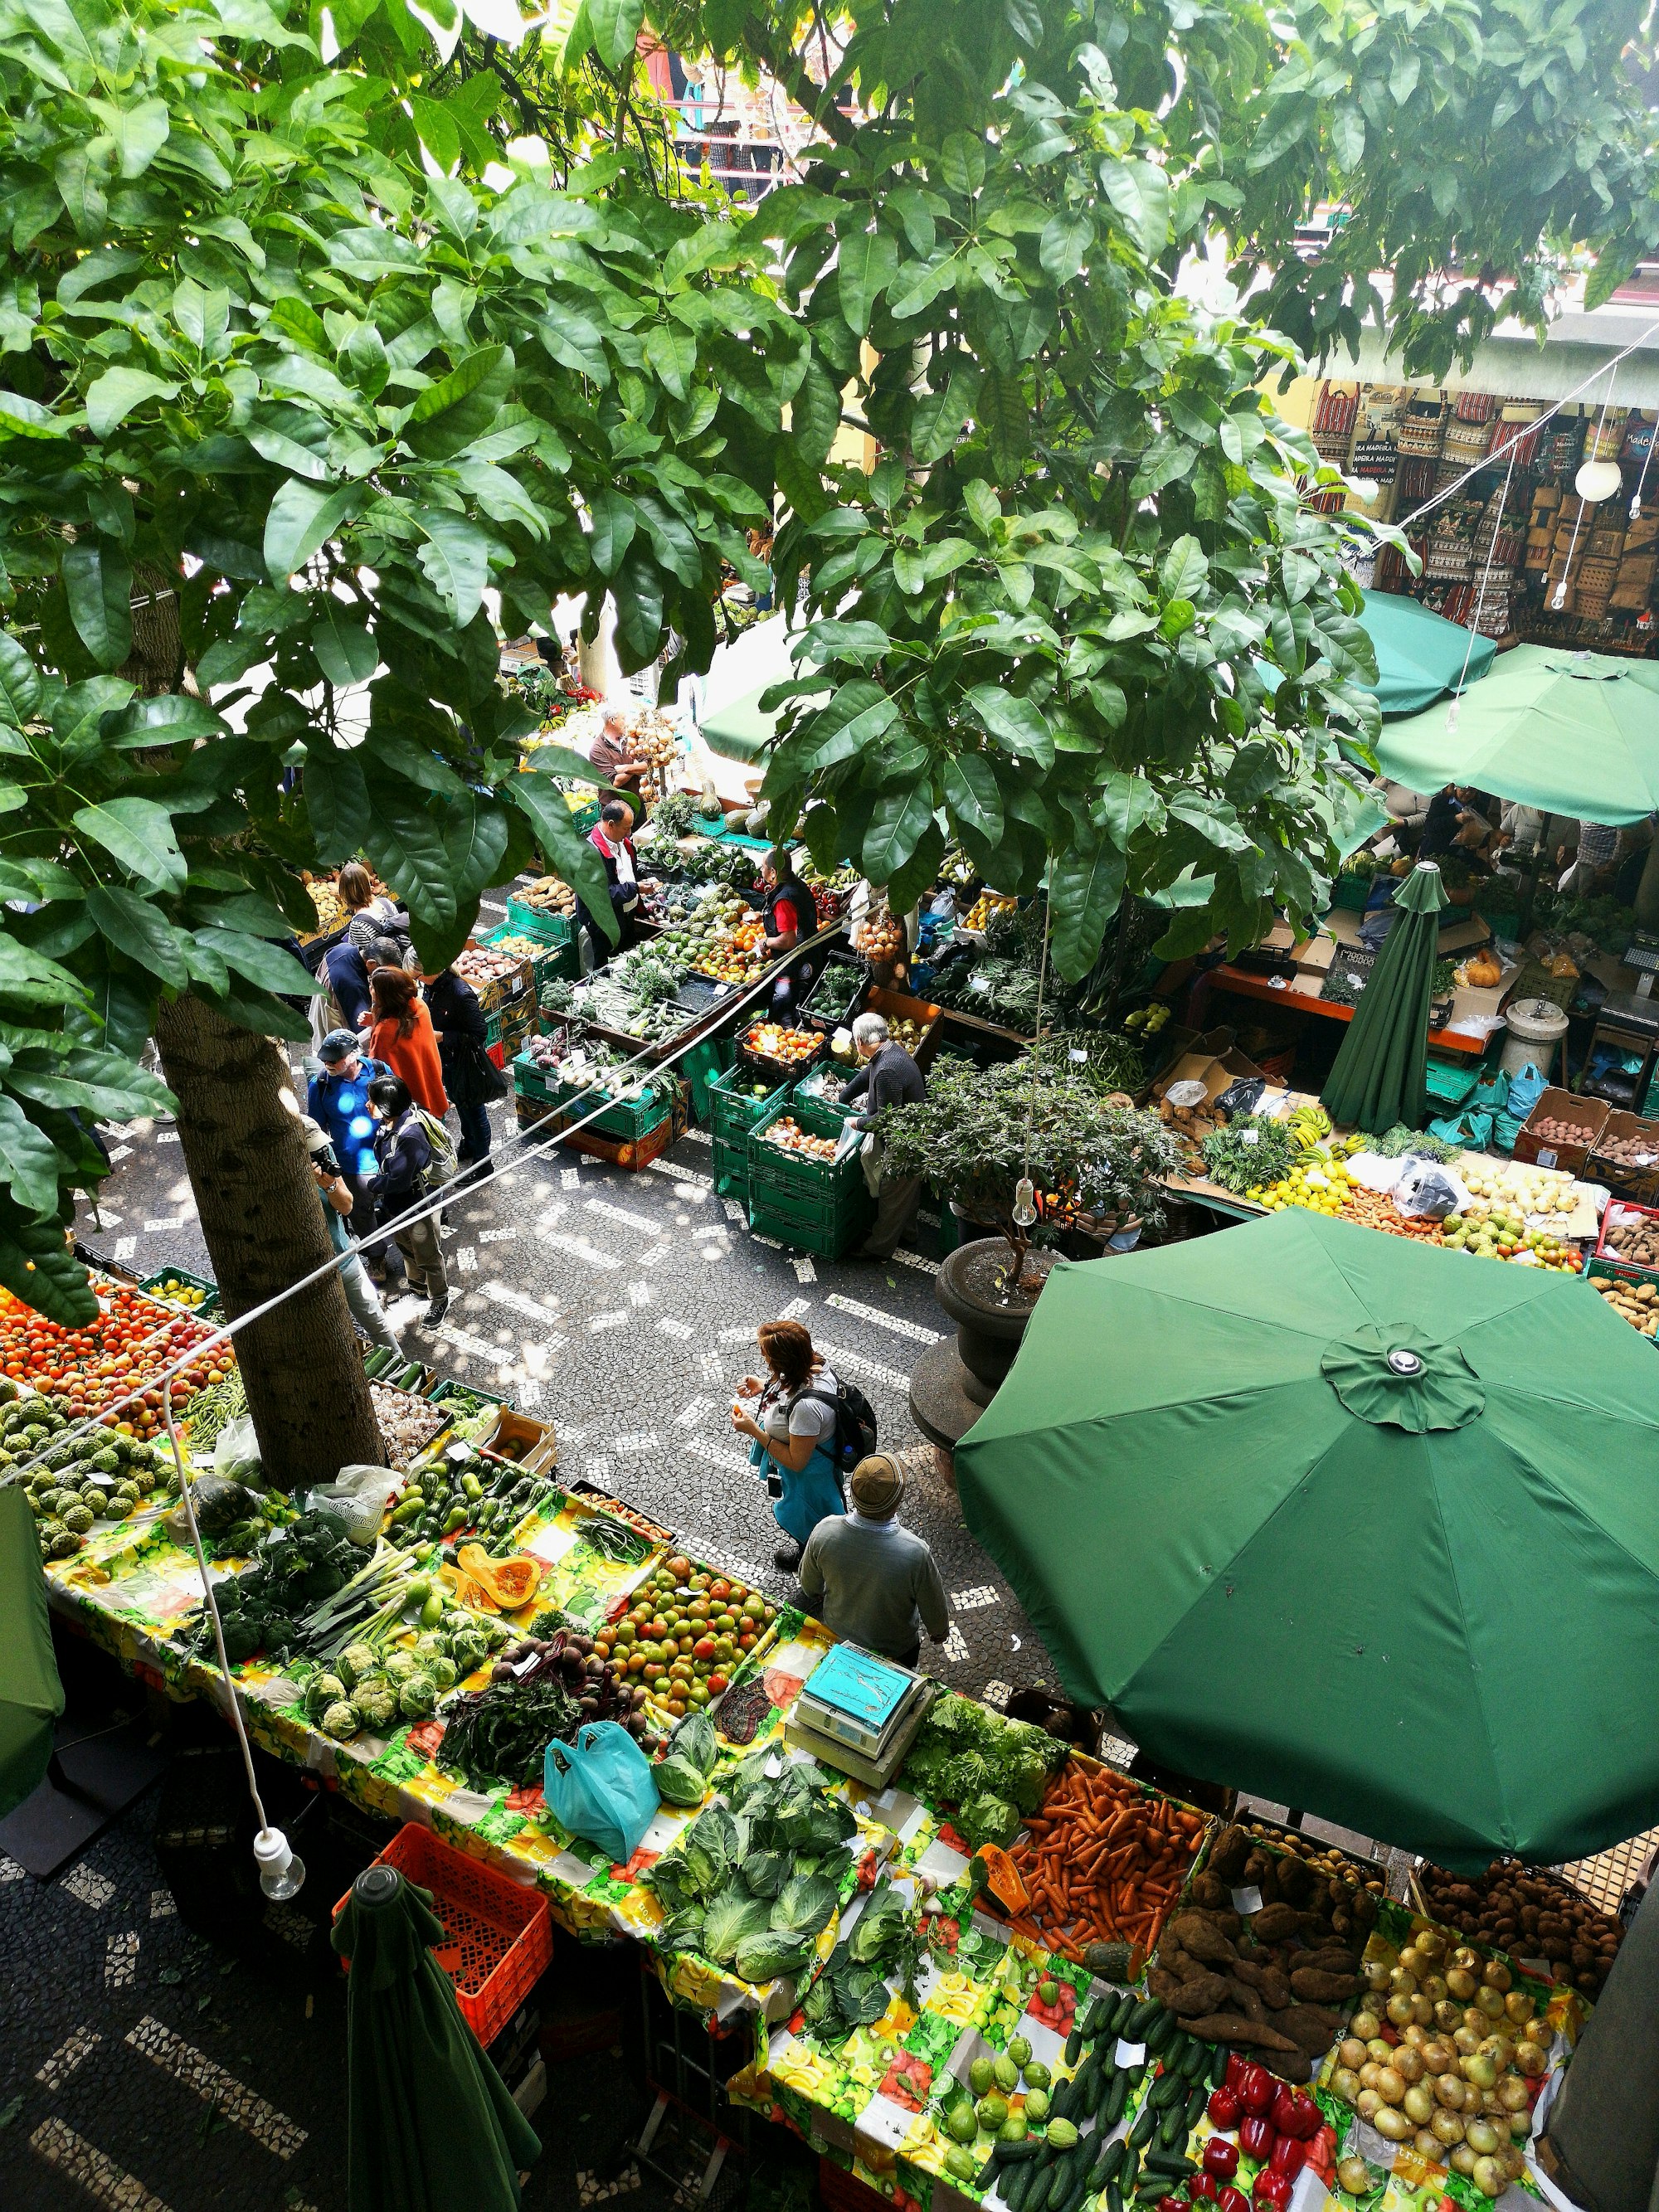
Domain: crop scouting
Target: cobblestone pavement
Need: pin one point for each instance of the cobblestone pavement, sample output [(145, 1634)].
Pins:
[(142, 2067)]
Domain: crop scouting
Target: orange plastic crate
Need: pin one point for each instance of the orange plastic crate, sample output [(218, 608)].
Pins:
[(498, 1936)]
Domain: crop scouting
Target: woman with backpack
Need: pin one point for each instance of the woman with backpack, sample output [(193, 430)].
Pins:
[(470, 1077), (408, 1160), (791, 1420), (402, 1035), (373, 915)]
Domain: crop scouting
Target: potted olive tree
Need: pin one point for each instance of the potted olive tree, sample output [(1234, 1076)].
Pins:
[(977, 1134)]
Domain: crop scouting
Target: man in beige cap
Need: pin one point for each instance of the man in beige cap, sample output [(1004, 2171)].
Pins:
[(870, 1581)]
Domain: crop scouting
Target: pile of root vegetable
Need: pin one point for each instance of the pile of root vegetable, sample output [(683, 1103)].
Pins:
[(1529, 1914), (1269, 1982)]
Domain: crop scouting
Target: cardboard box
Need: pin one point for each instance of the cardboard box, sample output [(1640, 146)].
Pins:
[(1637, 1179), (1590, 1115), (1214, 1068), (1314, 954)]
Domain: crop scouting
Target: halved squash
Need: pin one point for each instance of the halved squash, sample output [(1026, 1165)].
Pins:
[(510, 1582)]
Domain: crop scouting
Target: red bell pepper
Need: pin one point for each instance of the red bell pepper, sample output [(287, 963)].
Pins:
[(1271, 2188), (1232, 2200), (1256, 2137), (1224, 2108), (1255, 2087), (1289, 2157), (1170, 2204), (1236, 2063), (1204, 2187), (1221, 2158), (1295, 2113)]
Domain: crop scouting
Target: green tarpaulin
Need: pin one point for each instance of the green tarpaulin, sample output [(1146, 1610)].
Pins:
[(1425, 1607), (732, 723), (1377, 1078), (1575, 733), (30, 1695), (1420, 656)]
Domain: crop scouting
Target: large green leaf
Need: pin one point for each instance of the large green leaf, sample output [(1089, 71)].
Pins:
[(460, 406), (267, 966), (1086, 887), (1015, 723), (20, 684), (139, 930), (896, 828), (615, 26), (340, 638), (456, 559), (38, 1266), (865, 265), (113, 397), (28, 1160), (406, 843), (475, 838), (1140, 194), (971, 795), (303, 517), (103, 1083), (336, 801), (563, 846), (138, 834), (98, 586)]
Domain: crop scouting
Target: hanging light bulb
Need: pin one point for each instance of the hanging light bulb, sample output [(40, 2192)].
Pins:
[(1598, 480), (1452, 714), (1025, 1211), (1559, 600), (281, 1871)]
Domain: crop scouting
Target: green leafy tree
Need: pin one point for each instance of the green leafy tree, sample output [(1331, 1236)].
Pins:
[(290, 425)]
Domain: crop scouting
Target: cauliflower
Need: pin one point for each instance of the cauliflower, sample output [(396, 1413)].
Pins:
[(417, 1697), (340, 1721), (400, 1665), (357, 1661), (323, 1690), (377, 1705), (443, 1672)]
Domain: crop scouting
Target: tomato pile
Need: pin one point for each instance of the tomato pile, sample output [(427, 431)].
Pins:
[(685, 1633), (91, 1368)]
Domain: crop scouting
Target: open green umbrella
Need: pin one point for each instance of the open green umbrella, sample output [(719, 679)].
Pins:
[(30, 1695), (431, 2127), (1420, 656), (1575, 733), (1351, 1522), (1376, 1077)]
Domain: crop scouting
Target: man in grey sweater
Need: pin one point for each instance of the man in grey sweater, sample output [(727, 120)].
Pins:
[(872, 1583), (887, 1077)]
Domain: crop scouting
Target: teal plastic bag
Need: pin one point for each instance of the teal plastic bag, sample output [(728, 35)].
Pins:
[(1526, 1089), (1504, 1131), (1492, 1094), (600, 1787), (1468, 1129)]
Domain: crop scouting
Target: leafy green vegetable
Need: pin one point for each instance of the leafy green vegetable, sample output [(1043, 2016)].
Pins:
[(1251, 1151), (763, 1957), (804, 1903), (964, 1750), (1394, 1144), (732, 1916), (988, 1819)]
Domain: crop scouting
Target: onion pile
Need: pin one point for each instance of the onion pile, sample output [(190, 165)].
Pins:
[(1459, 2083)]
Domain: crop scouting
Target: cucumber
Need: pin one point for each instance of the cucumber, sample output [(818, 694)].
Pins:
[(1117, 2097), (1114, 2197), (1141, 2133), (1164, 2091), (1074, 2046), (1086, 2081), (1017, 2152), (1195, 2104), (1172, 2128), (1100, 2011), (1065, 2099), (1059, 2182), (1110, 2164), (1163, 2161), (1103, 2106), (1018, 2187), (1194, 2059), (1160, 2033), (1218, 2066), (1124, 2012), (1074, 2196)]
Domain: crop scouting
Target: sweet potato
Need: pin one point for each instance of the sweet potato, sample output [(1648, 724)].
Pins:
[(1323, 1989), (1307, 2027), (1333, 1961), (1162, 1984), (1209, 1890), (1268, 1981), (1245, 1999), (1203, 1995), (1274, 1923), (1229, 2027), (1197, 1933), (1228, 1853), (1288, 2065)]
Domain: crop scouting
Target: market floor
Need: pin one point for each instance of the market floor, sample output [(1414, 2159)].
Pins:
[(143, 2067)]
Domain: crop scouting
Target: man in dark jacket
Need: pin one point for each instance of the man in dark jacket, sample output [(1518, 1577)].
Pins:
[(404, 1152), (612, 839), (348, 978), (457, 1023), (887, 1077)]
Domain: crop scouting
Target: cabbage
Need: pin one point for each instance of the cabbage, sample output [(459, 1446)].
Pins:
[(805, 1904), (766, 1872), (355, 1661), (732, 1916), (680, 1782), (762, 1957), (695, 1739), (417, 1696), (988, 1819), (882, 1919)]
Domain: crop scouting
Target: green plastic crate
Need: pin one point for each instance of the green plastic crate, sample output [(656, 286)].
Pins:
[(543, 963), (731, 1165), (786, 1175), (732, 1109), (1450, 1082), (151, 1287), (1351, 892), (828, 1225), (628, 1120), (530, 921)]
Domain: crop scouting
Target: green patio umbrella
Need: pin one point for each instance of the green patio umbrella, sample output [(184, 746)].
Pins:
[(431, 2127), (1351, 1522), (1420, 656), (1376, 1077), (1574, 733), (30, 1695)]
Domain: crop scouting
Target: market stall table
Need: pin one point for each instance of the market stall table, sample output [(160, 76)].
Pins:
[(1289, 999)]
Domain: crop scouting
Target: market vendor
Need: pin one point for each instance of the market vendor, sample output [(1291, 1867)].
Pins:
[(788, 914), (338, 1100), (887, 1076), (789, 1420), (868, 1580), (611, 758), (612, 839)]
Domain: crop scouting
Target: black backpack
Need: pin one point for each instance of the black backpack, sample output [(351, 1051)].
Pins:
[(855, 1424)]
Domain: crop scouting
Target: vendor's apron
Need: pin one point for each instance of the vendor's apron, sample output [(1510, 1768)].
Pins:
[(790, 990)]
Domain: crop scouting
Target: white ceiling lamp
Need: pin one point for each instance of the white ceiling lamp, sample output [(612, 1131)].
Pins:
[(1598, 480)]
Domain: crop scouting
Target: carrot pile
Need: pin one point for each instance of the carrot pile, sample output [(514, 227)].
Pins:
[(1102, 1860), (1375, 1212)]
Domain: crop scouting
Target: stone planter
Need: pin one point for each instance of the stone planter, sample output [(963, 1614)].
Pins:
[(955, 1380)]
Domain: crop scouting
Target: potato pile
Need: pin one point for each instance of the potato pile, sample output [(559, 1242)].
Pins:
[(1514, 1909), (1324, 1858), (1632, 1235), (1268, 1982), (1635, 1302)]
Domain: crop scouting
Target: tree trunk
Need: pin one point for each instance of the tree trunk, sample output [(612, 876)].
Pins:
[(258, 1199)]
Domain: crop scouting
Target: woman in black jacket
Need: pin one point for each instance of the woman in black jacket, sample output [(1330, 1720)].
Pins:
[(470, 1077)]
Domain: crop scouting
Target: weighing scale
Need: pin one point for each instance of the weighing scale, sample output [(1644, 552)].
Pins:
[(860, 1714), (1628, 1021)]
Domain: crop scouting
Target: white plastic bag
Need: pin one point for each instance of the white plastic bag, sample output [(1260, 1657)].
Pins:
[(236, 1454), (1429, 1191), (359, 1495)]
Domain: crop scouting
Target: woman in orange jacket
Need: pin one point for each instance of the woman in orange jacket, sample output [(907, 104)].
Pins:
[(402, 1037)]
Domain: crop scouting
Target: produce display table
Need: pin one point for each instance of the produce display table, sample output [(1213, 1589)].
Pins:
[(1289, 1001)]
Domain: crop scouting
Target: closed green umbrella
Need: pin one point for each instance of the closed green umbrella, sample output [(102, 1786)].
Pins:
[(431, 2127), (1377, 1078), (1574, 733), (1423, 1604), (30, 1695), (1420, 656)]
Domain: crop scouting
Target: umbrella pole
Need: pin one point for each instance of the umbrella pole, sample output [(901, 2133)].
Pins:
[(1529, 890)]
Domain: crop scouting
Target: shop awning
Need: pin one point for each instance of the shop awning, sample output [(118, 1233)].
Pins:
[(733, 722), (1574, 733), (1423, 1604), (1420, 656)]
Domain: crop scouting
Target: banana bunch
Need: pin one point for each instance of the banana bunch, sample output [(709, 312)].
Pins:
[(1309, 1126)]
